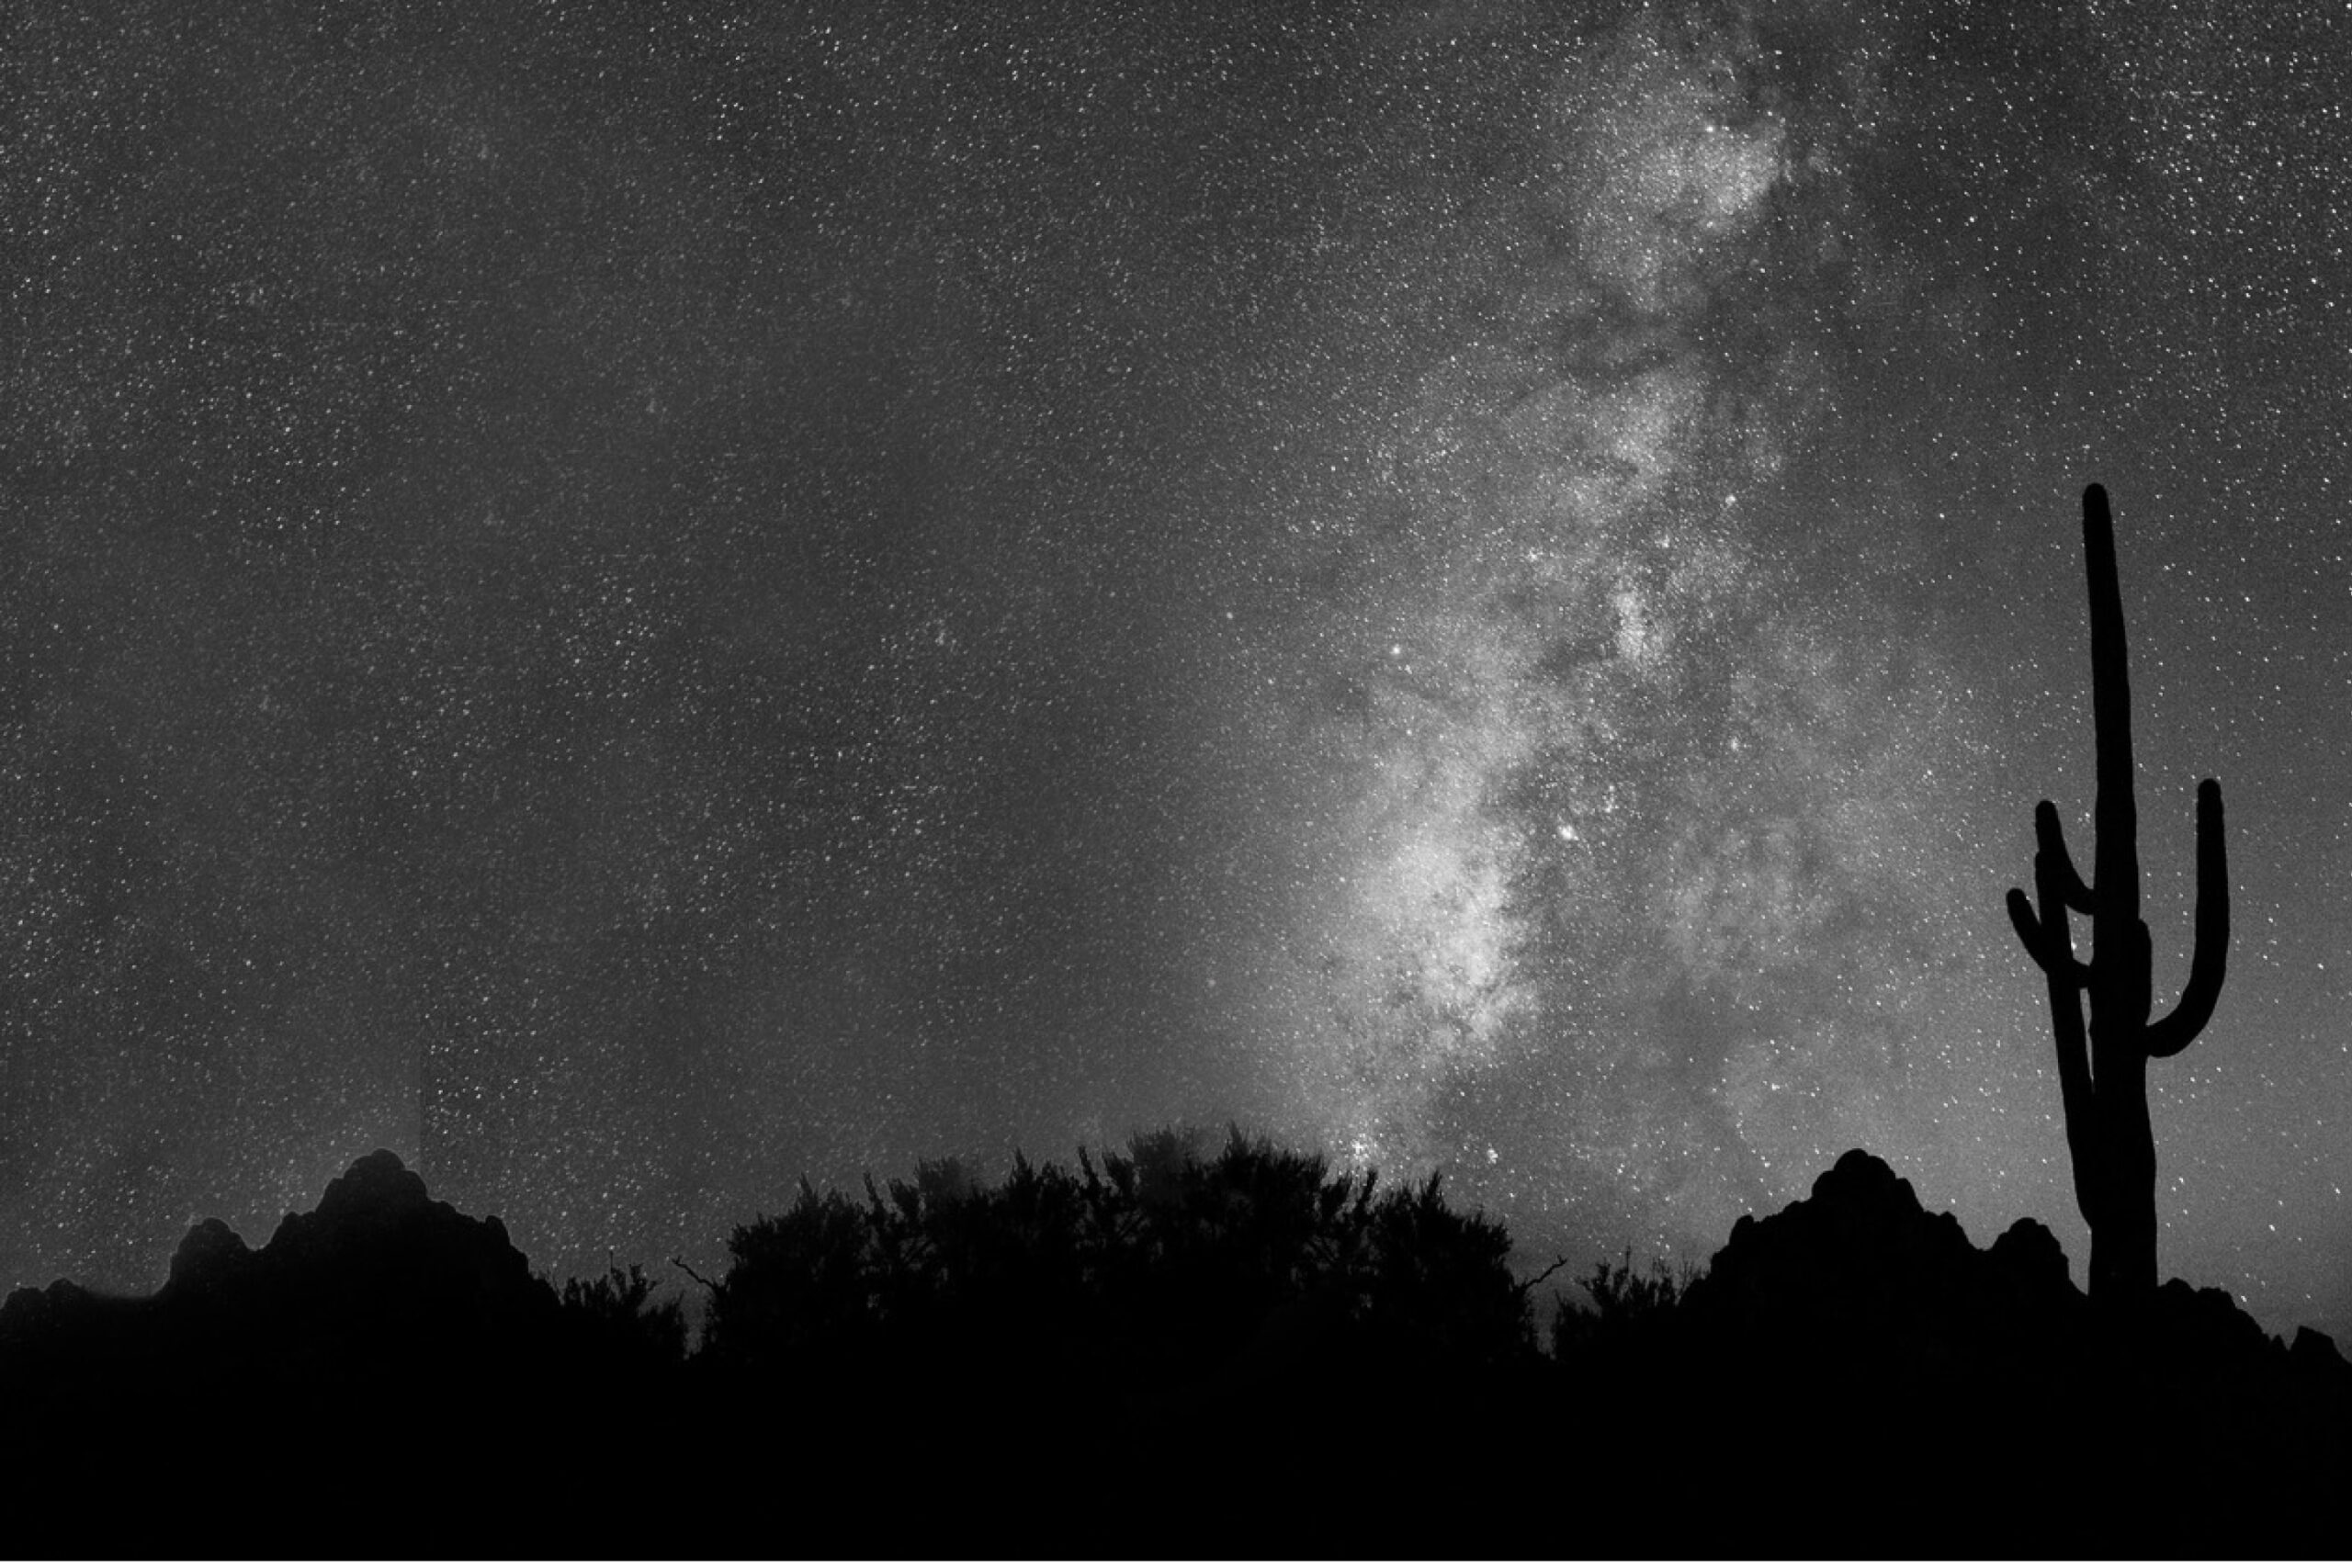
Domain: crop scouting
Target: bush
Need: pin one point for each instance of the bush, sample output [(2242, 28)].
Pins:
[(1628, 1309), (1156, 1268), (612, 1319), (800, 1282)]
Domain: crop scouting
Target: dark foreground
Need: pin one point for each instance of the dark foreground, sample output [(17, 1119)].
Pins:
[(1795, 1465), (1852, 1378)]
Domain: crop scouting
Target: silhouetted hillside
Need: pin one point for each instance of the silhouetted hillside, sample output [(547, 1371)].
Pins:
[(1855, 1346), (1164, 1351), (382, 1345), (350, 1303)]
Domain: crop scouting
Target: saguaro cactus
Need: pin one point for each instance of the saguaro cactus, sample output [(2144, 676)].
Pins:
[(2105, 1089)]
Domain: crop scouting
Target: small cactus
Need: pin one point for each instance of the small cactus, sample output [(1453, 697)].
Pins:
[(2105, 1086)]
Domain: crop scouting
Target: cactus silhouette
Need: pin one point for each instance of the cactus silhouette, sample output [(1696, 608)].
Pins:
[(2104, 1087)]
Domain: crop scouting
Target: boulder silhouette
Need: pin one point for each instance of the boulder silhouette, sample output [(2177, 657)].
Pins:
[(210, 1259), (2028, 1254)]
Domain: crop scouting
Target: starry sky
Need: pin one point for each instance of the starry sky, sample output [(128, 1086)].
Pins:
[(631, 601)]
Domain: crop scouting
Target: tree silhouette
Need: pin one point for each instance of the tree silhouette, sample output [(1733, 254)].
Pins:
[(2105, 1087)]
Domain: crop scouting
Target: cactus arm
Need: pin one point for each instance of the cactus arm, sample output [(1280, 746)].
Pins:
[(2049, 839), (2169, 1035), (2060, 888), (2115, 869), (2059, 964), (2028, 927), (2054, 947)]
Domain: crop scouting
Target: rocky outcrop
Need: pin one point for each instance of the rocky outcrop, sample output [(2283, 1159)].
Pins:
[(1860, 1276), (210, 1259), (379, 1286)]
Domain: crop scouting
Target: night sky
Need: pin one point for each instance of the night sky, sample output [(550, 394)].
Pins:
[(630, 601)]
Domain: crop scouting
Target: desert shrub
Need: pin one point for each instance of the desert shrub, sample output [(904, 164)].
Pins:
[(797, 1284), (1443, 1277), (1158, 1264), (612, 1318), (1628, 1308)]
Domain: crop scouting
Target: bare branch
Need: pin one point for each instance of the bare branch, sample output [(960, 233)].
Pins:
[(688, 1270), (1538, 1279)]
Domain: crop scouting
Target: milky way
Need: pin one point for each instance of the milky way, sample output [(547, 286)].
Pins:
[(633, 609), (1620, 862)]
